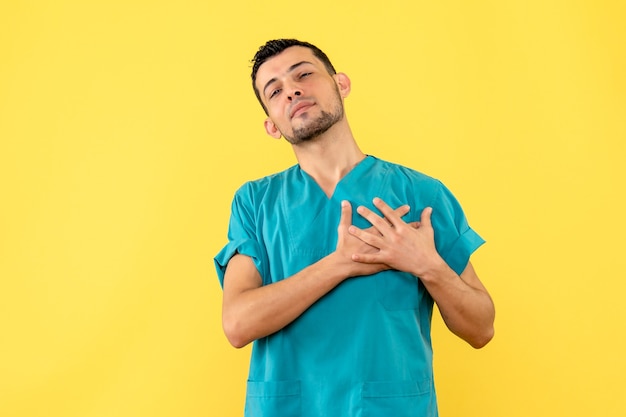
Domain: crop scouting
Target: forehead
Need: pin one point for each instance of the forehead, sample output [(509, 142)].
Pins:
[(279, 64)]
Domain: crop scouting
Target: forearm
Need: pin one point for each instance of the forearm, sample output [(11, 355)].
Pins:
[(252, 310), (465, 305), (251, 313)]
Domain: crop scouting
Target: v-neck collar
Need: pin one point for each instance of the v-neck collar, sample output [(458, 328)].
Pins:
[(362, 166)]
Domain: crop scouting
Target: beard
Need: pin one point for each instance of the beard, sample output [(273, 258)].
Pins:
[(318, 126), (315, 127)]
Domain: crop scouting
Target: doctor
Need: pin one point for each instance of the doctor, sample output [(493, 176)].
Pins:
[(333, 265)]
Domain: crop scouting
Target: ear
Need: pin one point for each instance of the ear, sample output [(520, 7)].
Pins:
[(343, 83), (271, 129)]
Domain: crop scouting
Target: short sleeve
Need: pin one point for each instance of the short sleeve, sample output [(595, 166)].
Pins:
[(454, 239), (243, 237)]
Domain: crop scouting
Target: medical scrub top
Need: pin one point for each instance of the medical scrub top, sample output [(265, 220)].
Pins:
[(364, 349)]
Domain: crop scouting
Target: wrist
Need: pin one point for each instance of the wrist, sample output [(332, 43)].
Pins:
[(338, 266), (435, 271)]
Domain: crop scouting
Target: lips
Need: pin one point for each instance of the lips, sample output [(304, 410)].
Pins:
[(299, 108)]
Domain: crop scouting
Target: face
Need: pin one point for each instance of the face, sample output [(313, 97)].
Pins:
[(302, 99)]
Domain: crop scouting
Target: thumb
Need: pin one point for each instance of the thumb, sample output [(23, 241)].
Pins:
[(425, 218), (346, 215)]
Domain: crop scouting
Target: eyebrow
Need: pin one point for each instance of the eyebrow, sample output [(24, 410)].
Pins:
[(291, 68)]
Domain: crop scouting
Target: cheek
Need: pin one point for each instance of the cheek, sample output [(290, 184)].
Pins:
[(278, 121), (277, 118), (276, 109)]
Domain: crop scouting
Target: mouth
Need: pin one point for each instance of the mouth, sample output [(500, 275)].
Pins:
[(300, 107)]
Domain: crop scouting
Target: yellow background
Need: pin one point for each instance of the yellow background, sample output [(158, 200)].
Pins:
[(126, 126)]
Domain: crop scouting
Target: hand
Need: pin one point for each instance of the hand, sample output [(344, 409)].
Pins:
[(349, 244), (395, 243)]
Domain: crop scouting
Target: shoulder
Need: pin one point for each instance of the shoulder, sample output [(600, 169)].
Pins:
[(264, 187), (408, 176)]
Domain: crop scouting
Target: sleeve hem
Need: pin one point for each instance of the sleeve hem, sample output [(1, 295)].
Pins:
[(458, 255), (244, 247)]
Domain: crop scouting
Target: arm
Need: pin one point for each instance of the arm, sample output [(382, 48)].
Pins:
[(464, 303), (251, 310)]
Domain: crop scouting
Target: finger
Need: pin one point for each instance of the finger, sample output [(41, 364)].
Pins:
[(366, 258), (373, 231), (402, 210), (389, 214), (372, 238), (346, 215), (378, 222), (425, 217)]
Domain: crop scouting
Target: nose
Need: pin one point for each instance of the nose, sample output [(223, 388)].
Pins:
[(293, 94)]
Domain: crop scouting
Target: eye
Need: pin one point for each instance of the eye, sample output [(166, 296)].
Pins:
[(274, 92), (305, 74)]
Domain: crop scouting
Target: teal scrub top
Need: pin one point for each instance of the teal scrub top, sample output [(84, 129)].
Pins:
[(364, 349)]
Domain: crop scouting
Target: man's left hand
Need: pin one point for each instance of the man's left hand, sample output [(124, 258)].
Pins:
[(402, 246)]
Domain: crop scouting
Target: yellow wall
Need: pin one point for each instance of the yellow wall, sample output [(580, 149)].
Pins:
[(126, 126)]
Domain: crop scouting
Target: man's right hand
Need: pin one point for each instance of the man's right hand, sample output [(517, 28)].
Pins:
[(251, 310)]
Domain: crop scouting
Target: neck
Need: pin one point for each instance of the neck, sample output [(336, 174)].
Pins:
[(329, 157)]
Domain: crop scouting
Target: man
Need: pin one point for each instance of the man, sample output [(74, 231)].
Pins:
[(337, 300)]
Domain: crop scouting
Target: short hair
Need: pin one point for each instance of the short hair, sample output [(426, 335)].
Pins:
[(275, 47)]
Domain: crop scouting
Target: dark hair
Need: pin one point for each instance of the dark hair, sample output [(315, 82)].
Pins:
[(275, 47)]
